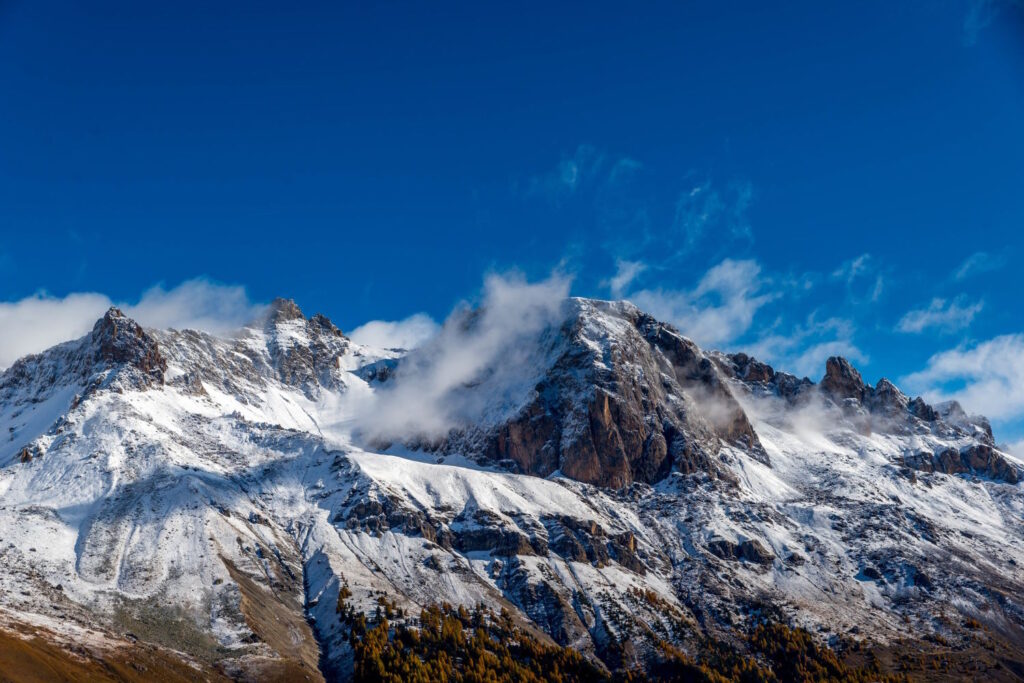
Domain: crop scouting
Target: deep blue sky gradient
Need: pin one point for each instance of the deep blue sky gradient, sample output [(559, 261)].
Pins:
[(372, 160)]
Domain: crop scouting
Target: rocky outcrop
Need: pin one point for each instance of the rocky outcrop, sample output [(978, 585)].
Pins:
[(953, 413), (887, 399), (119, 340), (978, 459), (625, 399), (883, 408), (750, 550), (842, 381), (629, 399), (922, 411), (761, 378), (304, 353), (750, 369)]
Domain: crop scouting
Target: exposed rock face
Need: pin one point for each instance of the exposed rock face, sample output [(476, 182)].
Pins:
[(750, 550), (842, 380), (118, 352), (886, 398), (282, 310), (884, 408), (304, 352), (761, 378), (751, 370), (922, 411), (980, 459), (626, 399), (119, 340)]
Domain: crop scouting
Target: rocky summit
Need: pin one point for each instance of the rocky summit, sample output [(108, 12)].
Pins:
[(594, 490)]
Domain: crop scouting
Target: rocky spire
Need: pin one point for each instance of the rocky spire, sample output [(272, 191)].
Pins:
[(842, 380), (119, 340), (304, 351), (282, 310), (887, 397), (323, 325)]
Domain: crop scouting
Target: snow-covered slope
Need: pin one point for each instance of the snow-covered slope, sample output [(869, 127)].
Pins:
[(211, 496)]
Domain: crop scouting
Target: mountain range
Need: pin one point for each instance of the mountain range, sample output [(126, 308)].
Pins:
[(176, 505)]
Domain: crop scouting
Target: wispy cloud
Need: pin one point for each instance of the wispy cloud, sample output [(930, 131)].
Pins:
[(981, 14), (586, 167), (803, 349), (987, 378), (718, 310), (941, 315), (658, 222), (626, 272), (409, 333), (1015, 449), (706, 212), (852, 269), (492, 349), (864, 280), (978, 263), (40, 321), (197, 304)]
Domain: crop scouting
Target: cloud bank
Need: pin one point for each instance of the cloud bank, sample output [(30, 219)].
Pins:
[(399, 334), (197, 304), (986, 378), (40, 321)]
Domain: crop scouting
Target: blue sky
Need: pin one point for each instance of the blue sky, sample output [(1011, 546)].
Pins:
[(793, 181)]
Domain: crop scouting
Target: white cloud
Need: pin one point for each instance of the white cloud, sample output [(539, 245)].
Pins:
[(987, 378), (625, 273), (40, 321), (719, 310), (400, 334), (197, 304), (941, 315), (490, 350), (978, 263), (1016, 449)]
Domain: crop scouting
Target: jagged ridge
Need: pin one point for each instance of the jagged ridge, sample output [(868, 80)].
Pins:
[(199, 492)]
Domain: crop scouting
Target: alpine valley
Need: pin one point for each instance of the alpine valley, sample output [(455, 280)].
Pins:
[(573, 492)]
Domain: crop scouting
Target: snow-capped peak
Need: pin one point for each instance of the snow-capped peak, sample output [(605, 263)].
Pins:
[(588, 459)]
